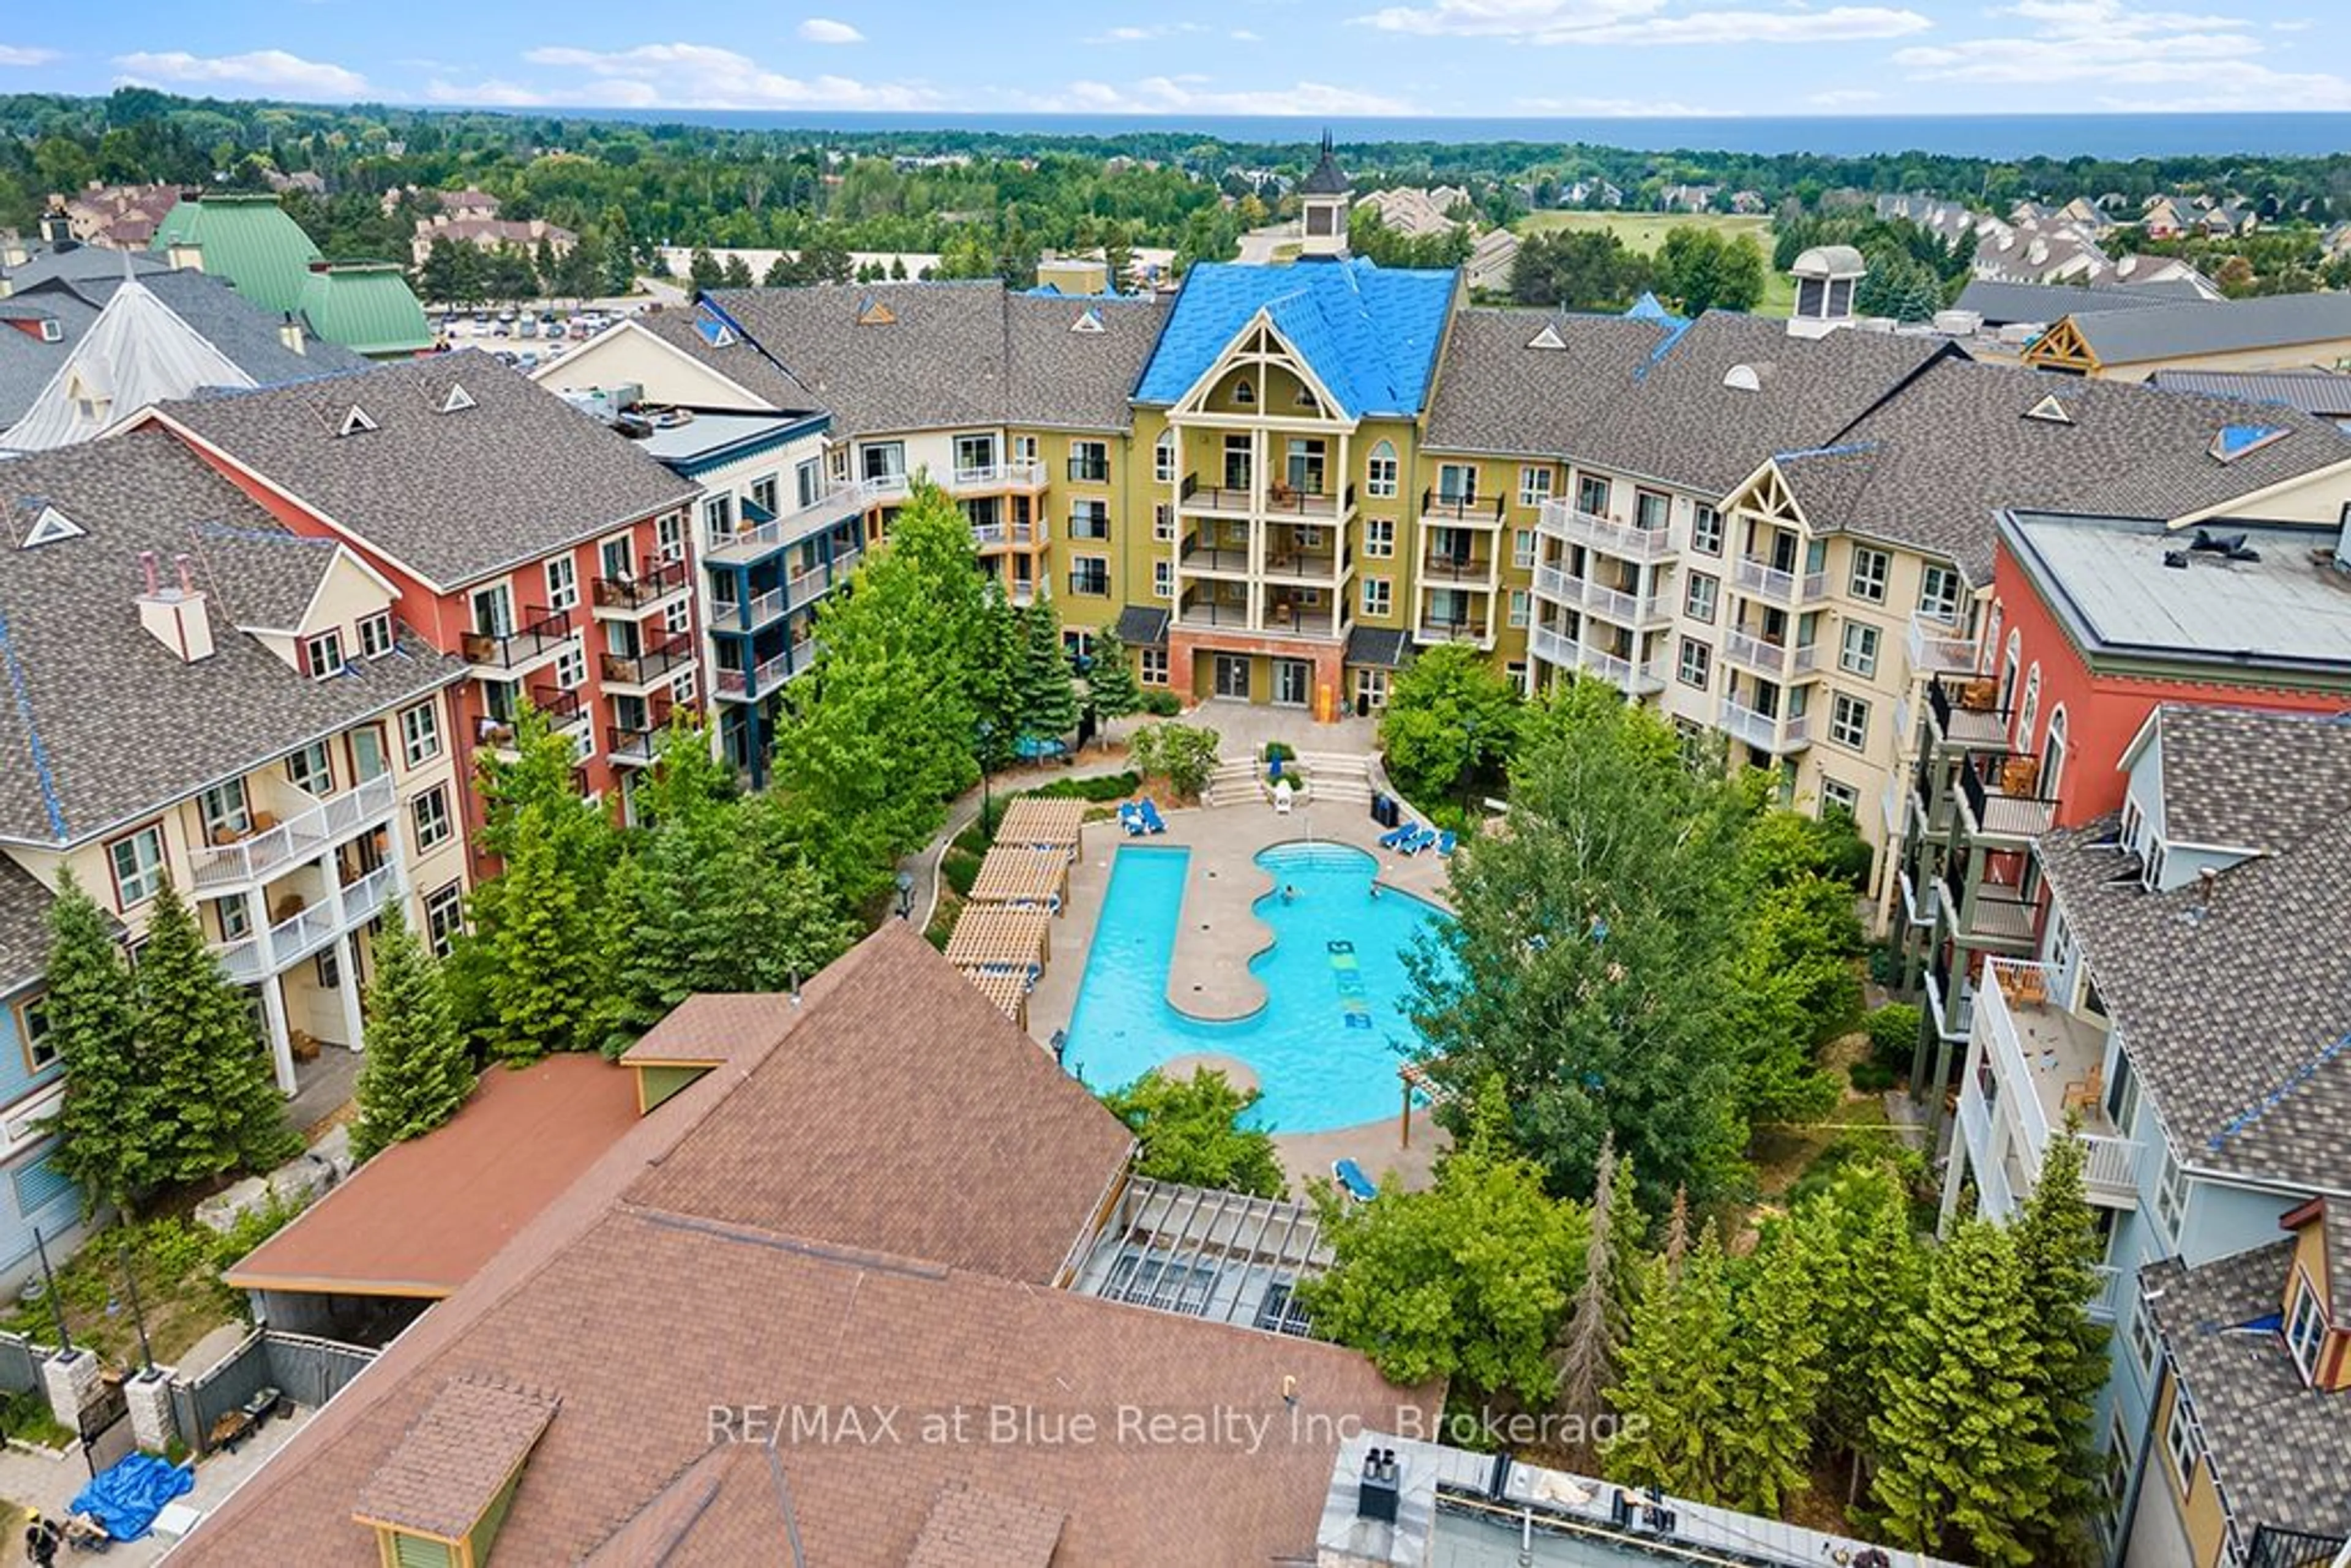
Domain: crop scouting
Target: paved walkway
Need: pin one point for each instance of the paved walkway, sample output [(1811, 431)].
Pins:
[(38, 1480)]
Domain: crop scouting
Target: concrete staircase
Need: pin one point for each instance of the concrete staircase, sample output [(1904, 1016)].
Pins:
[(1332, 777)]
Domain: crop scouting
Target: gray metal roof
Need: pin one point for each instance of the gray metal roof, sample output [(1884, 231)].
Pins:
[(707, 433), (1382, 647), (455, 496), (2251, 780), (2327, 394), (77, 263), (2106, 580), (2186, 329), (2279, 1448), (2000, 301), (110, 724), (2233, 1003)]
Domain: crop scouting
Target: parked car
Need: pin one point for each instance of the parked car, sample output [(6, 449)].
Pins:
[(555, 328)]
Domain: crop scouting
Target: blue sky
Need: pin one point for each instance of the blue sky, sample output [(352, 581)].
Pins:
[(1200, 57)]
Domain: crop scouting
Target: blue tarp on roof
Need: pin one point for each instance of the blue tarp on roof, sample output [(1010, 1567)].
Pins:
[(1649, 308), (1369, 334)]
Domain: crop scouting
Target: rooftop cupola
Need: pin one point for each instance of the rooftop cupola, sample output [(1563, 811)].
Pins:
[(1322, 207), (1827, 277)]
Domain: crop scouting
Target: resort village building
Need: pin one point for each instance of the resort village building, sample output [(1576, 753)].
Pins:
[(204, 695)]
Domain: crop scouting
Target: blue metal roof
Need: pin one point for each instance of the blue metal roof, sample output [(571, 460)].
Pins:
[(1369, 335)]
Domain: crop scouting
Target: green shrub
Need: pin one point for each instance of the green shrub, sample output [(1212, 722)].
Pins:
[(1885, 964), (975, 839), (1870, 1077), (1162, 705), (1184, 755), (27, 1416), (1109, 786), (1279, 751), (962, 869), (1893, 1036)]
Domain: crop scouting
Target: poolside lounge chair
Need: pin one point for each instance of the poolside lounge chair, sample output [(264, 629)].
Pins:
[(1353, 1181), (1445, 842), (1152, 821), (1281, 796), (1395, 836), (1130, 817), (1422, 837)]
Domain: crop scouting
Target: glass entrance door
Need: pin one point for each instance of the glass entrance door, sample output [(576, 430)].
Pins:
[(1293, 679), (1233, 676)]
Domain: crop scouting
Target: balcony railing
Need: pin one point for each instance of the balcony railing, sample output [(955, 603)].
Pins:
[(645, 669), (1760, 580), (542, 632), (1940, 1000), (629, 596), (1624, 674), (1090, 470), (2002, 797), (1459, 509), (1450, 568), (746, 545), (1918, 902), (1988, 913), (1561, 520), (1962, 715), (1024, 474), (1550, 645), (2065, 1062), (1462, 631), (1939, 646), (563, 709), (1089, 525), (1025, 535), (743, 685), (1891, 802), (298, 838), (1280, 619), (1761, 730), (1280, 499), (308, 929)]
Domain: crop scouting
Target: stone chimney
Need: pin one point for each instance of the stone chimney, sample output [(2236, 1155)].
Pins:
[(176, 614)]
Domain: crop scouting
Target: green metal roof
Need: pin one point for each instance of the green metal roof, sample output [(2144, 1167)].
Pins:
[(247, 239), (365, 306)]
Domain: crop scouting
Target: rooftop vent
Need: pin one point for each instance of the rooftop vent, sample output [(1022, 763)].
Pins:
[(49, 525), (1089, 320), (2177, 559), (1548, 338), (2049, 411), (1379, 1491), (355, 420), (1743, 378), (2232, 545)]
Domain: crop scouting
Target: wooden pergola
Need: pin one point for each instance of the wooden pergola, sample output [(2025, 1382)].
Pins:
[(990, 938), (1008, 991), (1023, 878), (1042, 824)]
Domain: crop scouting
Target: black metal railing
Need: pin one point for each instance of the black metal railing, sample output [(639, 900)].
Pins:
[(642, 669), (1090, 470), (561, 707), (657, 578), (1437, 505), (541, 629), (2276, 1548)]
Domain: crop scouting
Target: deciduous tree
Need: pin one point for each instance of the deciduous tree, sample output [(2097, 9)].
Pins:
[(1451, 718), (1191, 1132)]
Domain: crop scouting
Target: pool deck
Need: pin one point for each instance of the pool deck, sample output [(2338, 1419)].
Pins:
[(1219, 932)]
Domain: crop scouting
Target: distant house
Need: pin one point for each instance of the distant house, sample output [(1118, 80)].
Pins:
[(1491, 260), (1407, 210), (1749, 203), (489, 233), (119, 217), (1591, 193), (1690, 198)]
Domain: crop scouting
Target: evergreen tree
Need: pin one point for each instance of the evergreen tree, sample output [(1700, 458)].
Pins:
[(897, 269), (781, 273), (1782, 1356), (1047, 700), (112, 1137), (1965, 1466), (416, 1072), (702, 269), (1679, 1372), (737, 273), (1868, 1278), (1587, 1362), (539, 975), (1110, 684), (206, 1060), (2058, 1251)]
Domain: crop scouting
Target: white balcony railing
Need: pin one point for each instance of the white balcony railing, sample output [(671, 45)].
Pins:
[(298, 838), (1561, 520), (1624, 673), (1762, 731), (790, 527), (2110, 1165), (1939, 647), (1551, 646), (294, 938), (989, 534), (1762, 581), (1019, 476)]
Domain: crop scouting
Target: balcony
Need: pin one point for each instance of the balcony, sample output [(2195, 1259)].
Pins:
[(641, 672), (1892, 804), (1563, 521), (1454, 568), (1780, 661), (1952, 1026), (627, 598), (1935, 810), (299, 837), (2000, 797), (1478, 632), (1779, 736), (750, 686), (1624, 674), (509, 655), (1461, 511), (1991, 915), (1939, 647), (1918, 905), (1550, 645), (1642, 611), (1963, 717), (992, 538), (1280, 500), (1760, 580), (2046, 1064), (1025, 475), (773, 532), (1211, 559), (307, 931), (1281, 620), (1293, 562)]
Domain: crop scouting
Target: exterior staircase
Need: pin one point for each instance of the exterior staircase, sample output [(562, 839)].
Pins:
[(1330, 777)]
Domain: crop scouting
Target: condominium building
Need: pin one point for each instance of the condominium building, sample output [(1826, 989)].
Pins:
[(205, 696), (545, 550)]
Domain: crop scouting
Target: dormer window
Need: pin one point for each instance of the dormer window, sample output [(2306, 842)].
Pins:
[(375, 634), (52, 332), (2306, 1327), (355, 420), (322, 655)]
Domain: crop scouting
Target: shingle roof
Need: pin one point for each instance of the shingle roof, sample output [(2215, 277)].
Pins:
[(24, 902), (2279, 1447), (249, 240), (2324, 393), (79, 262), (137, 353), (950, 354), (1370, 334), (749, 1315), (1496, 392), (2186, 328), (2237, 1011), (2249, 779), (456, 1458), (111, 724), (2000, 301), (453, 497), (970, 1527), (248, 335)]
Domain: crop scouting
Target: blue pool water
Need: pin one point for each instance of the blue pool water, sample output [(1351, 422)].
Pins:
[(1325, 1045)]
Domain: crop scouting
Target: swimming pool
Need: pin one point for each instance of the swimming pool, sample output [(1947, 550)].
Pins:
[(1325, 1045)]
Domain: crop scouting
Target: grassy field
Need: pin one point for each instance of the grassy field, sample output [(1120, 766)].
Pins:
[(1644, 232)]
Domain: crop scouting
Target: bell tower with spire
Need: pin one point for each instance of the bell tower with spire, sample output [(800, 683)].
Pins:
[(1322, 202)]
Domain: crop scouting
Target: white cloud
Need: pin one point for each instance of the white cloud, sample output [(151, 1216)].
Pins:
[(1184, 95), (1145, 34), (273, 70), (1642, 22), (1243, 36), (2149, 60), (1621, 109), (16, 54), (825, 30), (701, 75), (493, 93), (1845, 97)]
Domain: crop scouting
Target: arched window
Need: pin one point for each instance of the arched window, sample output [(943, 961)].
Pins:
[(1163, 458), (2008, 666), (1991, 634), (2052, 753), (1380, 470), (2030, 713)]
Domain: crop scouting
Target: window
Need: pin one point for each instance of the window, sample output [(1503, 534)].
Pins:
[(1457, 484), (1380, 471), (1163, 523), (1090, 519), (616, 558), (1938, 593), (682, 686), (1163, 458), (882, 460), (1089, 574), (444, 917), (375, 634), (1838, 797), (1522, 606), (1379, 596), (1591, 495), (1869, 570), (676, 616), (669, 535), (369, 757), (1523, 549), (2171, 1195), (571, 667), (431, 811), (223, 810), (33, 1032), (1696, 663), (1534, 486), (1379, 538), (137, 863), (322, 655), (762, 493), (1859, 655), (2143, 1348), (312, 770), (2180, 1439), (1089, 462), (2306, 1327), (1152, 664), (1698, 602), (1163, 578), (562, 582), (974, 454), (1244, 391), (1849, 721), (2030, 713), (1651, 513), (420, 734), (717, 517), (1521, 677), (1705, 530), (494, 611)]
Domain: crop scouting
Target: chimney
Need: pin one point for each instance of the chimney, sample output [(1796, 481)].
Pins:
[(1377, 1490), (290, 332), (56, 228), (12, 252), (175, 616)]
